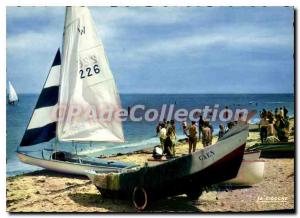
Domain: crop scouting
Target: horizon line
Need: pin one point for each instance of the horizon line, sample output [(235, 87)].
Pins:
[(185, 93)]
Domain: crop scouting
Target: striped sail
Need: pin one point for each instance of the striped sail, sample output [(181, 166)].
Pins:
[(87, 84), (42, 125)]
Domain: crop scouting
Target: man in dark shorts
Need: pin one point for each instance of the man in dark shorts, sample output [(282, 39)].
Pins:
[(192, 137), (200, 126)]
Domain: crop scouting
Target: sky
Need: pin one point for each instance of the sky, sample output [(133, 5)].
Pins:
[(165, 49)]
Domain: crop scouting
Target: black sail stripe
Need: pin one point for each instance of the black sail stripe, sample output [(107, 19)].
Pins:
[(48, 97), (39, 135), (57, 60)]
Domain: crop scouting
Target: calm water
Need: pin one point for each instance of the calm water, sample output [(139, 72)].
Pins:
[(138, 134)]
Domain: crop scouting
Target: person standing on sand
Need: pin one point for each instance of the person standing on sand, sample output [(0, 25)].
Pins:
[(229, 126), (281, 112), (282, 128), (165, 122), (270, 128), (221, 131), (263, 113), (158, 127), (200, 126), (173, 136), (263, 128), (226, 112), (192, 137), (162, 136), (170, 142), (167, 125), (206, 134), (285, 112), (211, 132), (172, 123), (184, 128)]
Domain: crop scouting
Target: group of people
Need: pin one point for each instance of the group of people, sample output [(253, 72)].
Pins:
[(205, 132), (274, 127), (166, 131)]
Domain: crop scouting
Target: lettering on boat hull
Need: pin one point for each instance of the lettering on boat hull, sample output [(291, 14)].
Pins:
[(207, 155)]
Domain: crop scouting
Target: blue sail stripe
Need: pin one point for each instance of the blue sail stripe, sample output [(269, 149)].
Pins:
[(48, 97), (39, 135)]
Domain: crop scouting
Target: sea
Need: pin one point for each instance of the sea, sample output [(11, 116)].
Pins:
[(138, 135)]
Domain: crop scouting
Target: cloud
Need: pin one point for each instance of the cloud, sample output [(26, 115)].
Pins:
[(143, 41), (247, 39)]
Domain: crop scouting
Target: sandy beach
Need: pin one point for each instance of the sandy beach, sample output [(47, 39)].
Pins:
[(46, 191)]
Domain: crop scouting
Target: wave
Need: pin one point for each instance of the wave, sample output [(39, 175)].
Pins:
[(254, 120), (276, 102)]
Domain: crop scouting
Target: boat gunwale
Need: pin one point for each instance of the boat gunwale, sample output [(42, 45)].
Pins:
[(243, 128), (74, 163)]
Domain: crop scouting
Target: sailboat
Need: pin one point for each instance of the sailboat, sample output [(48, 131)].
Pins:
[(12, 95), (86, 80), (82, 77)]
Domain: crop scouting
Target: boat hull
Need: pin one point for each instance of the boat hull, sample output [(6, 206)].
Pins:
[(63, 166), (187, 174), (250, 173), (252, 155), (275, 150)]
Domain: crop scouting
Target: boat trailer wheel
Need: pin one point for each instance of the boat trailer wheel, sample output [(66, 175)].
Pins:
[(139, 198)]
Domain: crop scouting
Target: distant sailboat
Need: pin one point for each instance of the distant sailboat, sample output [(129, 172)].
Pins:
[(12, 95)]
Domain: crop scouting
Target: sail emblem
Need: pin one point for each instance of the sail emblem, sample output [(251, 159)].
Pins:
[(81, 30)]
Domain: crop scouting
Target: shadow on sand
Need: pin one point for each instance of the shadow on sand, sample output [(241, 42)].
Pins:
[(50, 173), (174, 204)]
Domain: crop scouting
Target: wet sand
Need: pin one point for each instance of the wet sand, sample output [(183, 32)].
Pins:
[(46, 191)]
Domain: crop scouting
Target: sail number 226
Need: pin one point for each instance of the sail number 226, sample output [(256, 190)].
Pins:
[(89, 71)]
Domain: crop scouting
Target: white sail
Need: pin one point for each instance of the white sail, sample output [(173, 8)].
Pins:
[(87, 85), (12, 95)]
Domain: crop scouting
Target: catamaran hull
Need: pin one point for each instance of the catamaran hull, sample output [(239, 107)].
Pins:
[(63, 166), (250, 173), (184, 175), (275, 150), (251, 155)]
